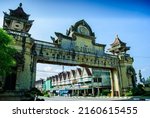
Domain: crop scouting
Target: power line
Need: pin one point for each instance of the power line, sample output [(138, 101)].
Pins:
[(47, 71), (141, 57)]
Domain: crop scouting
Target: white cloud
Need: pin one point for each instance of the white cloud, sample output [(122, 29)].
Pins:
[(47, 70), (143, 69)]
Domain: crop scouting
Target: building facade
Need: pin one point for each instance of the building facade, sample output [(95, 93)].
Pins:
[(39, 84), (82, 82), (77, 47)]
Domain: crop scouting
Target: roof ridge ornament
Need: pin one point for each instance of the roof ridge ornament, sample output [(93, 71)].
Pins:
[(20, 5), (117, 36)]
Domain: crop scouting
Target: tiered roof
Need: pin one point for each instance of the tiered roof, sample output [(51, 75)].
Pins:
[(72, 74), (19, 13), (118, 46), (118, 42)]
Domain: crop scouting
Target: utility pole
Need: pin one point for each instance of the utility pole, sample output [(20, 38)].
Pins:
[(63, 68)]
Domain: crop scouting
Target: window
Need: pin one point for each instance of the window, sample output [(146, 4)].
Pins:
[(53, 55), (95, 79), (99, 79)]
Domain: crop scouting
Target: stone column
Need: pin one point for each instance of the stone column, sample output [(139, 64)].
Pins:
[(116, 84), (93, 93), (98, 91), (72, 92), (112, 84), (84, 92), (33, 73), (78, 92)]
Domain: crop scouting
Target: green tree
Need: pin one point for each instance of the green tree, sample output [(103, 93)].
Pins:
[(148, 80), (139, 90), (7, 52)]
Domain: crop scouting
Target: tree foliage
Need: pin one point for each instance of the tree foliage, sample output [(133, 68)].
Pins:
[(139, 90), (7, 60), (148, 80)]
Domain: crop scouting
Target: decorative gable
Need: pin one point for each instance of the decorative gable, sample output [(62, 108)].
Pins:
[(87, 72), (78, 73)]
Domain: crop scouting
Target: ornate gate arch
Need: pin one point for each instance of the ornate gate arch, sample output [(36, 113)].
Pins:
[(77, 47)]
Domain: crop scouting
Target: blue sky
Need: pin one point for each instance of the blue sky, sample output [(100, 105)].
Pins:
[(130, 19)]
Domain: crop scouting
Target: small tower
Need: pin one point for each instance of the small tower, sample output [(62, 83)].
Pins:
[(17, 21), (118, 47), (17, 24), (126, 72)]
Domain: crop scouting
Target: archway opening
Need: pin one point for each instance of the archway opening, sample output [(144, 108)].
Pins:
[(73, 80)]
